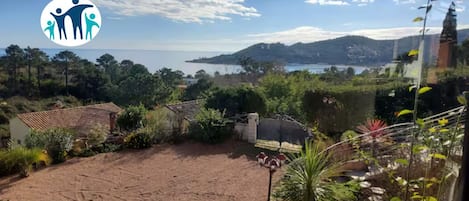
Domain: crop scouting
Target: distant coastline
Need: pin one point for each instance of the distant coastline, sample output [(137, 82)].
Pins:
[(347, 50), (181, 60), (153, 59)]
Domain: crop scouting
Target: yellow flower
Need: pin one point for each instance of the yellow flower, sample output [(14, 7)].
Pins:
[(443, 121), (444, 130), (432, 130)]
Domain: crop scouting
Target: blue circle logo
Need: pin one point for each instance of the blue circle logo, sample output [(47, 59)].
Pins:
[(71, 22)]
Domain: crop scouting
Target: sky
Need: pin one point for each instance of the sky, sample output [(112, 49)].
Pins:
[(229, 25)]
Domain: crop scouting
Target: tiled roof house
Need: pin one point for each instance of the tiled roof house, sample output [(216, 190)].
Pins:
[(180, 115), (79, 119)]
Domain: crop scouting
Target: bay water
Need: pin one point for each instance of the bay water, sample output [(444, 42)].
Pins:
[(176, 60)]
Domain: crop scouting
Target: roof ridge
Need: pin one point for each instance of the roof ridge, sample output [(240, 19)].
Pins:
[(71, 108), (185, 102), (68, 117)]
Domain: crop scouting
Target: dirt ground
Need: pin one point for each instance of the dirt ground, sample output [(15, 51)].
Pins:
[(169, 172)]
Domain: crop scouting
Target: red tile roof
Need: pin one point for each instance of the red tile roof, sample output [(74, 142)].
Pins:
[(80, 119)]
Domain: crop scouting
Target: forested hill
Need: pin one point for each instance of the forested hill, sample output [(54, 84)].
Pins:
[(348, 50)]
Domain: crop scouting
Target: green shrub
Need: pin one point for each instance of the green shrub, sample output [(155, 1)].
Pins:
[(87, 153), (322, 140), (310, 174), (4, 119), (97, 135), (106, 148), (210, 127), (132, 118), (57, 142), (156, 123), (349, 134), (163, 129), (20, 160), (36, 140), (198, 90), (336, 112), (237, 100), (4, 130), (100, 148), (139, 140), (77, 148), (51, 88)]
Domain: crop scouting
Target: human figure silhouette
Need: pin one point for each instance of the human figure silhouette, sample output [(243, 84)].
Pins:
[(60, 19), (51, 28), (89, 25), (75, 14)]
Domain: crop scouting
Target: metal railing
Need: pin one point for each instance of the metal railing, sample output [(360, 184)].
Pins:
[(402, 132)]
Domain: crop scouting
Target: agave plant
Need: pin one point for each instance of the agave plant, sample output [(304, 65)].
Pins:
[(373, 126), (310, 177)]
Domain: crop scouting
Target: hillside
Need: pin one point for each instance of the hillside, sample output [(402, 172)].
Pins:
[(347, 50)]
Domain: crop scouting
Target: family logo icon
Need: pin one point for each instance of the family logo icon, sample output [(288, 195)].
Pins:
[(71, 22)]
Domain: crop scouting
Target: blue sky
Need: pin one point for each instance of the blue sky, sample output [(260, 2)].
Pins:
[(229, 25)]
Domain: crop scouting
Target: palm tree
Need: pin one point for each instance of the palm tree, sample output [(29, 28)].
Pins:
[(309, 177)]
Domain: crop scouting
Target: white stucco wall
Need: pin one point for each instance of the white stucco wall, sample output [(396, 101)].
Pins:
[(18, 130), (253, 121), (248, 132), (241, 130)]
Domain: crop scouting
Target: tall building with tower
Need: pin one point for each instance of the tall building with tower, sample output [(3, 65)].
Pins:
[(448, 40)]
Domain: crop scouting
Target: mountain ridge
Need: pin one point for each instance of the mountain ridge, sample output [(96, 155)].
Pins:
[(346, 50)]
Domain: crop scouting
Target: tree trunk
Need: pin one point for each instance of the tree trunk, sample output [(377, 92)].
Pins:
[(39, 79), (30, 84), (66, 77), (15, 78)]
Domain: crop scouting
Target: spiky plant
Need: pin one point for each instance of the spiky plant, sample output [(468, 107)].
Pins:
[(309, 177), (373, 126)]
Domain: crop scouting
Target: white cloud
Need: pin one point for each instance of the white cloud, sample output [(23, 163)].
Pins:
[(340, 2), (363, 1), (301, 34), (198, 11), (405, 1), (328, 2), (114, 18)]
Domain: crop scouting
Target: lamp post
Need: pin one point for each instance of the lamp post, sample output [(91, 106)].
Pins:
[(272, 163)]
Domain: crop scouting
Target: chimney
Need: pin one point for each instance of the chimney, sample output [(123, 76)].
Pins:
[(112, 122)]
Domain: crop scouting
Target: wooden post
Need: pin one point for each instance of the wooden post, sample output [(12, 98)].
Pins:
[(280, 137)]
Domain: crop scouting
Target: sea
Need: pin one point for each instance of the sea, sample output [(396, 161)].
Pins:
[(176, 60)]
